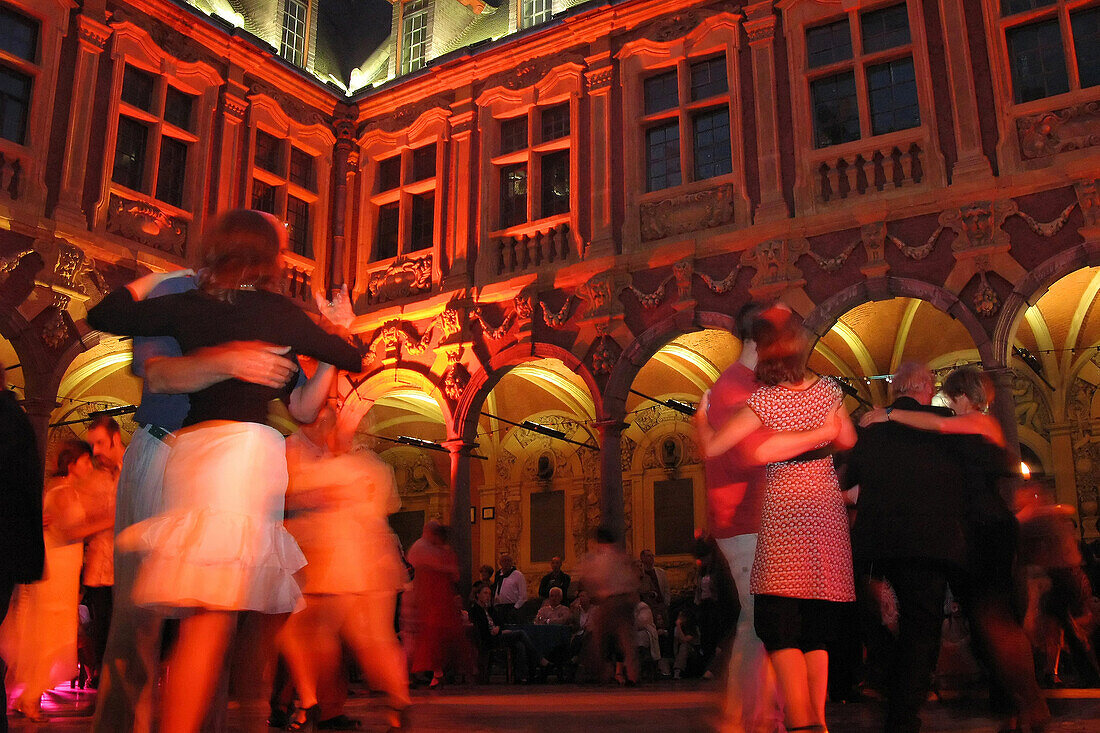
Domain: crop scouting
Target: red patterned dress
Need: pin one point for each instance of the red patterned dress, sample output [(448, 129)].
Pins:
[(803, 549)]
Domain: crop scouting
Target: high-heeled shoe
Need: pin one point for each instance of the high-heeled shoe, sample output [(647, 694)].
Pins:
[(309, 718)]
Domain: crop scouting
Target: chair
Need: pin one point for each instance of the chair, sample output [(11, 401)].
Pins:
[(497, 655)]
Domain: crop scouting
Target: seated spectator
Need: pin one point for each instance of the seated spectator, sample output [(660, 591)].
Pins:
[(685, 645), (645, 633), (526, 660), (556, 578), (554, 612)]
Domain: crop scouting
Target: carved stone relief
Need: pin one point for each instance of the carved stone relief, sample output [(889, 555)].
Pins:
[(774, 261), (687, 212), (402, 279), (146, 224), (456, 377), (1059, 131)]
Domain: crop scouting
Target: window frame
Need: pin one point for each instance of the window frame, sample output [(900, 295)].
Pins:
[(284, 31), (530, 20), (1062, 10), (405, 62)]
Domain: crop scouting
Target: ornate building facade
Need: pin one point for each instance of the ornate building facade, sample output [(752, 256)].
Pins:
[(547, 212)]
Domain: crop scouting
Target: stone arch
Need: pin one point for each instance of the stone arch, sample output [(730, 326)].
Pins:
[(464, 418), (639, 351), (829, 311), (359, 398), (1033, 286), (38, 368)]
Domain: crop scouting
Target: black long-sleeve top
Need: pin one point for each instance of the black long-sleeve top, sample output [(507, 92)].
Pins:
[(196, 319)]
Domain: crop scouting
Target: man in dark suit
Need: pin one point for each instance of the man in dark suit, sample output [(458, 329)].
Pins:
[(911, 530), (21, 549)]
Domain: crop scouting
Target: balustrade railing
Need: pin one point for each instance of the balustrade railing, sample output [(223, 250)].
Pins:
[(848, 173), (11, 176), (519, 252)]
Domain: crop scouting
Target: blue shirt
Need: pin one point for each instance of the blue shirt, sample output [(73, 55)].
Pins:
[(167, 411)]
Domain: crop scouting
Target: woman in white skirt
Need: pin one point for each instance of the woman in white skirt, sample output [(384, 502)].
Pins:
[(220, 547)]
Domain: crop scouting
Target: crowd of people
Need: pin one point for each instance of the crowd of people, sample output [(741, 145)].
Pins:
[(210, 526)]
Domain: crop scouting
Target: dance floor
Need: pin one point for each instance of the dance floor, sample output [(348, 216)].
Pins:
[(683, 707)]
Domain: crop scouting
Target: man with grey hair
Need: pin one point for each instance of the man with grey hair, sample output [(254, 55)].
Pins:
[(910, 530)]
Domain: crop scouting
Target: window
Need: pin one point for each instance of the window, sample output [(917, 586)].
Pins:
[(18, 58), (862, 79), (687, 126), (547, 525), (533, 12), (405, 186), (414, 35), (673, 516), (295, 31), (1053, 46), (154, 137), (534, 156), (284, 183)]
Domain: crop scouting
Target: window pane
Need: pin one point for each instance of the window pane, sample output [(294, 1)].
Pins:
[(15, 101), (892, 89), (389, 173), (389, 224), (172, 170), (885, 28), (1086, 39), (295, 32), (547, 525), (662, 160), (18, 34), (263, 196), (555, 183), (513, 134), (828, 44), (177, 108), (708, 78), (423, 163), (836, 111), (513, 195), (1011, 7), (534, 12), (297, 225), (137, 88), (555, 122), (673, 516), (711, 137), (423, 221), (1037, 60), (268, 152), (414, 35), (129, 167), (301, 169), (661, 92)]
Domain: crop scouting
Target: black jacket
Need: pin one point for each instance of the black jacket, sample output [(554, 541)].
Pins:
[(479, 617), (21, 548), (913, 493)]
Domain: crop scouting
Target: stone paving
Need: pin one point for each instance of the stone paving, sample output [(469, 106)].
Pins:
[(687, 707)]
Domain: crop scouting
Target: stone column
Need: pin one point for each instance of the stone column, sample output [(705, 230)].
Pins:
[(458, 244), (760, 28), (38, 411), (460, 509), (91, 40), (1004, 409), (971, 162), (601, 133), (611, 475), (344, 127), (1065, 474)]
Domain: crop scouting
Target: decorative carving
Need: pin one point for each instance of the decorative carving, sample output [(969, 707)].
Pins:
[(599, 292), (760, 30), (774, 261), (676, 26), (456, 377), (449, 321), (532, 249), (721, 287), (235, 108), (71, 264), (557, 320), (505, 462), (55, 328), (530, 72), (1088, 196), (494, 333), (920, 251), (407, 114), (687, 212), (978, 225), (395, 334), (604, 354), (524, 303), (1059, 131), (986, 302), (92, 33), (873, 239), (1031, 409), (834, 263), (508, 522), (294, 108), (405, 277), (650, 301), (146, 224), (172, 42), (599, 78), (11, 176), (1050, 228), (10, 262)]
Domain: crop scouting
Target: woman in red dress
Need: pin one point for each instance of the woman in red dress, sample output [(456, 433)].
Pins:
[(432, 628)]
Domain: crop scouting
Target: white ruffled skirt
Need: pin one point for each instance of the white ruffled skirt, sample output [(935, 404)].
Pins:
[(220, 543)]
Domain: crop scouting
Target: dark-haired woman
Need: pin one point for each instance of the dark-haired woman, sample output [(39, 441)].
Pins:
[(803, 566), (220, 547), (987, 592), (39, 634)]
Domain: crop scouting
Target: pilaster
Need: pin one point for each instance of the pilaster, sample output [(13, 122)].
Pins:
[(971, 163), (760, 27), (598, 86)]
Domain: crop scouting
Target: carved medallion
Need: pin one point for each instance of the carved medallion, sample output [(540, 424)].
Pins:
[(687, 212), (146, 224), (402, 279)]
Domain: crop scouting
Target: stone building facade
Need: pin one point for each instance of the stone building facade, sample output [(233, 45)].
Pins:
[(547, 212)]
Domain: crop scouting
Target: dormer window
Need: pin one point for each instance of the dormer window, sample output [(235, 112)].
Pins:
[(295, 31), (414, 35), (533, 12)]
